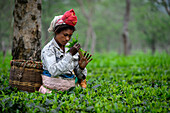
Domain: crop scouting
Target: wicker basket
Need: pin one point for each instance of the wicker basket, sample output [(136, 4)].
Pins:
[(26, 75)]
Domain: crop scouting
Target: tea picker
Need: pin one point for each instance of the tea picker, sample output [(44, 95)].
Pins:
[(61, 67)]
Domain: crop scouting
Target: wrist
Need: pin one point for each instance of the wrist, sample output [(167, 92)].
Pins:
[(71, 53), (81, 68)]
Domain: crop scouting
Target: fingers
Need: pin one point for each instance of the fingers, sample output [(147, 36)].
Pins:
[(77, 46), (90, 59), (87, 56), (80, 53), (85, 53)]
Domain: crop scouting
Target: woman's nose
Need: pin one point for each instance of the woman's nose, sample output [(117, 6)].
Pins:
[(67, 38)]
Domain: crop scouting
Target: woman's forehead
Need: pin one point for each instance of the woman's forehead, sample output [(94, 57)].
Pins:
[(68, 31)]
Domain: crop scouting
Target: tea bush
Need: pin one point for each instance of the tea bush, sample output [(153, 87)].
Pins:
[(136, 83)]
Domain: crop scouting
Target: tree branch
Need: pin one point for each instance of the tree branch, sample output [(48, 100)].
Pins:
[(166, 7), (82, 8)]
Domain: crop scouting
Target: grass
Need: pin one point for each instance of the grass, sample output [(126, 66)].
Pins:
[(136, 83)]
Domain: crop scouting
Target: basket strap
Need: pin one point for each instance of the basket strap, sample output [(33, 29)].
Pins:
[(21, 73)]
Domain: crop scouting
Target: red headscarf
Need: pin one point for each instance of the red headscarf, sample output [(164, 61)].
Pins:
[(69, 18)]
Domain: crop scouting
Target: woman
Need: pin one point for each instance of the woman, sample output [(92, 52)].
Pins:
[(62, 69)]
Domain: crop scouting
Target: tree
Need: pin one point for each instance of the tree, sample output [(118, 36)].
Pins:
[(154, 27), (90, 31), (6, 24), (27, 30), (125, 28), (163, 3), (50, 9)]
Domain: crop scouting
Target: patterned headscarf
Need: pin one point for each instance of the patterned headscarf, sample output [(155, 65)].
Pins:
[(69, 18)]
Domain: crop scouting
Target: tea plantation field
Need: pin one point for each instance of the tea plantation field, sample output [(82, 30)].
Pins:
[(136, 83)]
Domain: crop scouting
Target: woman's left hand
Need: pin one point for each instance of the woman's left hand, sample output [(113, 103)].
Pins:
[(75, 49), (84, 59)]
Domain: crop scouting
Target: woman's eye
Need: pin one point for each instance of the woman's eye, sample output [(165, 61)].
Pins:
[(65, 34)]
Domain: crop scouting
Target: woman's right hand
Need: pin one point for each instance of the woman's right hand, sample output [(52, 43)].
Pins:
[(84, 59), (74, 49)]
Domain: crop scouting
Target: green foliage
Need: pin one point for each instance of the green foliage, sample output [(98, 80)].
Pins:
[(148, 23), (71, 43), (137, 83), (6, 21), (152, 24)]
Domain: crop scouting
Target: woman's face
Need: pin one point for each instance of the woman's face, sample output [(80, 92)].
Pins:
[(63, 37)]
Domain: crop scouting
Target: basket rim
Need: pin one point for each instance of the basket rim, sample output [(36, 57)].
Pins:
[(20, 60), (27, 64)]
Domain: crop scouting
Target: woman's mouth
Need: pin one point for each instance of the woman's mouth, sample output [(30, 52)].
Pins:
[(65, 43)]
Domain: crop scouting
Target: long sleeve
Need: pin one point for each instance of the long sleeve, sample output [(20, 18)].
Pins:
[(57, 62), (57, 67), (54, 66), (81, 74)]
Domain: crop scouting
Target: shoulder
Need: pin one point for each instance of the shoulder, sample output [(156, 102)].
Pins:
[(48, 49)]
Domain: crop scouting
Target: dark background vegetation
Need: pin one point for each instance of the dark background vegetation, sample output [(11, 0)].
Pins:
[(115, 83), (148, 28)]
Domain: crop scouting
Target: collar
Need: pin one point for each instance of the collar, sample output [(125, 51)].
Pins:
[(56, 45)]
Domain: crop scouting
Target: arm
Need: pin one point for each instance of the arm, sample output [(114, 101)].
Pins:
[(81, 70), (80, 73), (56, 67)]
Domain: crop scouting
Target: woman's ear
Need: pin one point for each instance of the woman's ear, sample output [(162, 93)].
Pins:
[(55, 34)]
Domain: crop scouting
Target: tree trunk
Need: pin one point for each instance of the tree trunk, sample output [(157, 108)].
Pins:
[(87, 39), (3, 50), (167, 6), (93, 44), (153, 47), (90, 31), (27, 30), (125, 28)]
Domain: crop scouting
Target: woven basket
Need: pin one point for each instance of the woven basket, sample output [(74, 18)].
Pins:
[(26, 75)]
